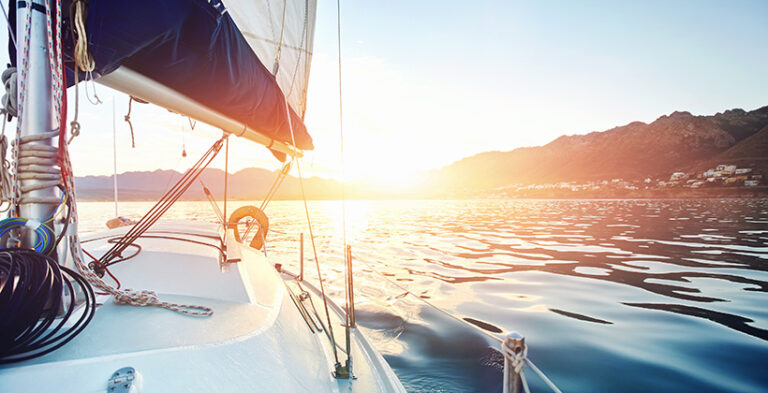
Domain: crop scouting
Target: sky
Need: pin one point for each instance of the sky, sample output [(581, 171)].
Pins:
[(426, 83)]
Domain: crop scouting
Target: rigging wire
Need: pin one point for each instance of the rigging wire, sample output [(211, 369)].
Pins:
[(317, 261), (270, 194), (226, 182), (349, 300), (164, 203), (10, 30), (312, 238), (105, 268), (341, 130)]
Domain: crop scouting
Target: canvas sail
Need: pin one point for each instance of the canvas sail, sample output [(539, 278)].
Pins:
[(282, 38), (196, 50)]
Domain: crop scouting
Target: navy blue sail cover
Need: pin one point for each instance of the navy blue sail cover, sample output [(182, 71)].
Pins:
[(192, 47)]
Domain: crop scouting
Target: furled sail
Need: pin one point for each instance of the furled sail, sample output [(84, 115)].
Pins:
[(222, 58), (282, 39)]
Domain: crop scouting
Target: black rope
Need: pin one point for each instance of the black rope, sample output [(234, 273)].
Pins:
[(165, 203), (100, 269), (109, 238), (181, 239), (66, 221), (33, 288)]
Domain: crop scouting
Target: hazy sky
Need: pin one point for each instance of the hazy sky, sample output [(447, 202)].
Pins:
[(429, 82)]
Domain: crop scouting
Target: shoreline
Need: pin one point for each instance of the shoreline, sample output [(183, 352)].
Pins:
[(468, 198)]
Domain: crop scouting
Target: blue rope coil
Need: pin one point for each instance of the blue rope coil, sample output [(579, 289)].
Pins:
[(45, 238)]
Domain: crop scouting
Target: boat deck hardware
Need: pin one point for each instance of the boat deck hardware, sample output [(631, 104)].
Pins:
[(124, 380)]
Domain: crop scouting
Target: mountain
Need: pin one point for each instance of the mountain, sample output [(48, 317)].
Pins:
[(676, 142), (250, 183), (755, 147), (671, 143)]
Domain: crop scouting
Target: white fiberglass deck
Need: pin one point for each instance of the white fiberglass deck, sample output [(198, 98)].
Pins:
[(256, 340)]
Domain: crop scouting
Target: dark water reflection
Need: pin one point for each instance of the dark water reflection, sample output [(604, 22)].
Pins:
[(615, 295), (612, 295)]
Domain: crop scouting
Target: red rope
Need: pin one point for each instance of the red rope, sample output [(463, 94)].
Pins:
[(105, 268), (63, 125)]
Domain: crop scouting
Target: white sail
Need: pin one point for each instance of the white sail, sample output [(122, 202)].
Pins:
[(281, 35)]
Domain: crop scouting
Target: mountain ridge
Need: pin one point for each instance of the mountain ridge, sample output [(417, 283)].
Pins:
[(675, 142)]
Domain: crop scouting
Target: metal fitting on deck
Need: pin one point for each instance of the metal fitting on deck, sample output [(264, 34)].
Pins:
[(515, 351)]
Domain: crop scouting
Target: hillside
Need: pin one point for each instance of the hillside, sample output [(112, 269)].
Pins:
[(754, 147), (250, 183), (637, 150), (679, 141)]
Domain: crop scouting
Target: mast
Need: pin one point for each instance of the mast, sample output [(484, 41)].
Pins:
[(37, 117)]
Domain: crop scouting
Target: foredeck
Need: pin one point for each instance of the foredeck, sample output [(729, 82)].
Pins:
[(256, 340)]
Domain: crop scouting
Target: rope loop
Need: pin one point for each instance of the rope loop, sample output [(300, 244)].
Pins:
[(141, 298), (516, 359), (147, 298), (188, 309), (74, 127)]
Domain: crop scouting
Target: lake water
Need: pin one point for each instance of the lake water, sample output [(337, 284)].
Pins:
[(613, 295)]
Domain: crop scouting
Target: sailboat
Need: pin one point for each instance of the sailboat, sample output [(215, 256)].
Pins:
[(158, 305), (206, 310)]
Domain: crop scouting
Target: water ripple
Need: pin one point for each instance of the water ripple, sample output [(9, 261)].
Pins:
[(612, 295)]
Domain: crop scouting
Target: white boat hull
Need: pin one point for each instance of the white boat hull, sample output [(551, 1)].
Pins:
[(256, 340)]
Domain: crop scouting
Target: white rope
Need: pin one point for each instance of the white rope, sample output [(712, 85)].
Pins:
[(542, 376), (516, 360), (83, 58), (5, 172), (38, 162), (9, 110), (478, 329)]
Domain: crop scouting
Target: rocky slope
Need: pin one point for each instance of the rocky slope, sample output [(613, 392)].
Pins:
[(678, 141)]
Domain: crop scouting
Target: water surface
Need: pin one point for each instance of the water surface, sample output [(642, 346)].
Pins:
[(612, 295)]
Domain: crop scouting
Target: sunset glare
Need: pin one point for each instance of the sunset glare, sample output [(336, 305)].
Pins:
[(497, 76)]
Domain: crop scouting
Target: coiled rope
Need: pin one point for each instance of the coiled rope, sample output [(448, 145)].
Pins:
[(38, 162), (83, 58), (22, 83), (33, 288), (38, 155)]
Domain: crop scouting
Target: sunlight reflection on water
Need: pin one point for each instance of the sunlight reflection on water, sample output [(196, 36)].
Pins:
[(612, 295)]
